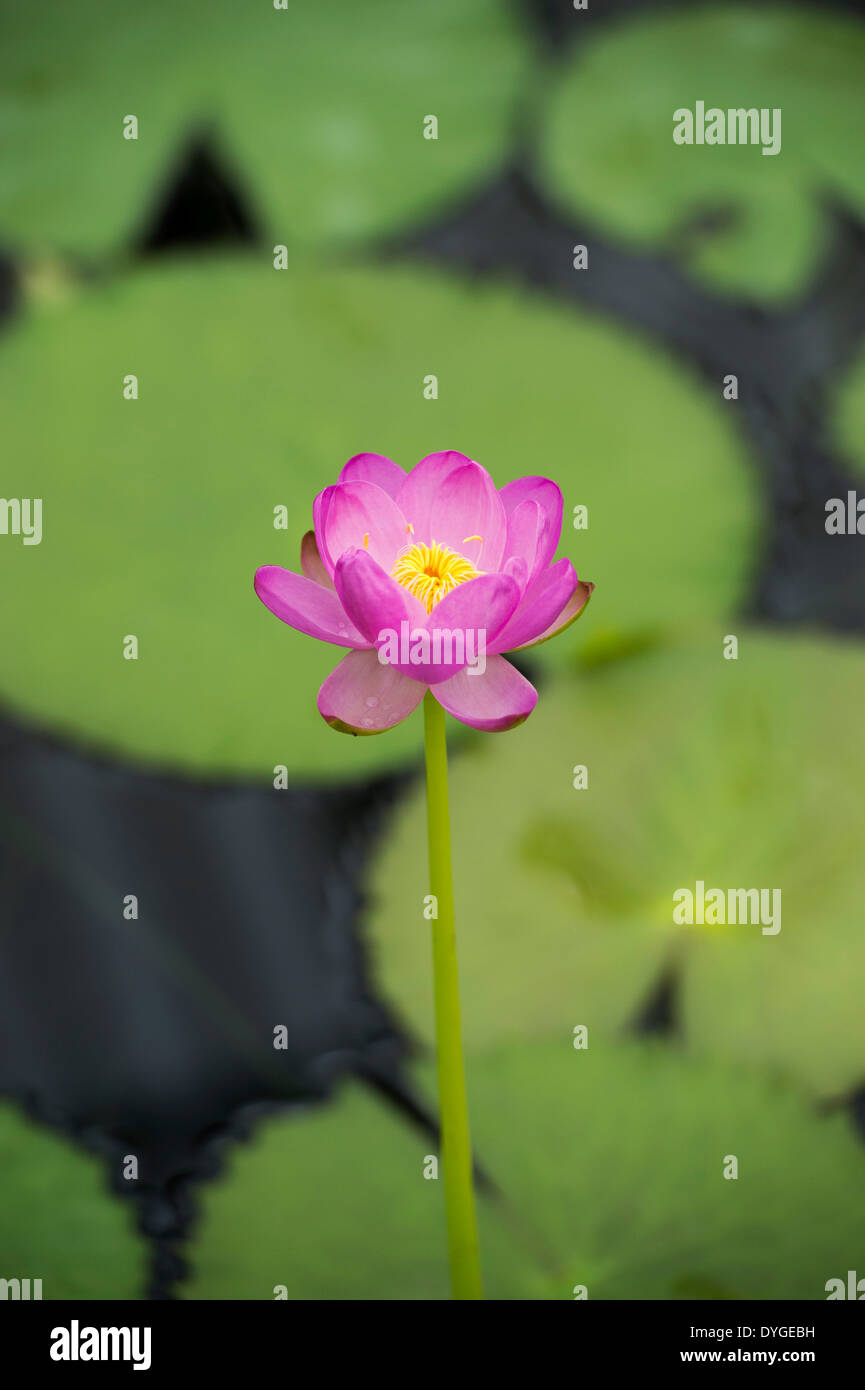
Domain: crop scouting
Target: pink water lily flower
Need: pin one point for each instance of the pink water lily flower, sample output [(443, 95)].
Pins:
[(428, 577)]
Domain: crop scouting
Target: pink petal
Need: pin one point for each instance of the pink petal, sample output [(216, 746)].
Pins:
[(486, 602), (542, 603), (306, 606), (416, 496), (477, 611), (569, 614), (467, 504), (371, 598), (517, 569), (527, 536), (548, 495), (320, 509), (497, 700), (361, 696), (311, 562), (362, 515), (374, 468)]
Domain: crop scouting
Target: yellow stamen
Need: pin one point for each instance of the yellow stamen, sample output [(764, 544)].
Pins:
[(466, 539), (431, 571), (409, 529), (366, 540)]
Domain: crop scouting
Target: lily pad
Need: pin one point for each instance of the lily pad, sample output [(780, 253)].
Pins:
[(322, 108), (611, 1176), (740, 774), (58, 1222), (333, 1205), (255, 386), (737, 219), (615, 1159)]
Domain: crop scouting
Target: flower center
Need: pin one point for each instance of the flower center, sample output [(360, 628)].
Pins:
[(431, 571)]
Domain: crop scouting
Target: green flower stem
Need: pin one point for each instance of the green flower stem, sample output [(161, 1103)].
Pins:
[(456, 1151)]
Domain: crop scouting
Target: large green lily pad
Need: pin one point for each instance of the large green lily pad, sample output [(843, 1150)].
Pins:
[(333, 1205), (254, 387), (610, 1164), (615, 1157), (58, 1222), (737, 219), (741, 774), (320, 107)]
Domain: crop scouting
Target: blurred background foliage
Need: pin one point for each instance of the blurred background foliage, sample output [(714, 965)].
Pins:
[(609, 1174), (316, 108), (57, 1222), (737, 219), (305, 128), (568, 892)]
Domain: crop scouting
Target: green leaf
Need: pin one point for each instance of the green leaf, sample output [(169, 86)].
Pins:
[(609, 1165), (333, 1204), (615, 1158), (742, 774), (320, 107), (737, 219), (58, 1221), (255, 387)]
